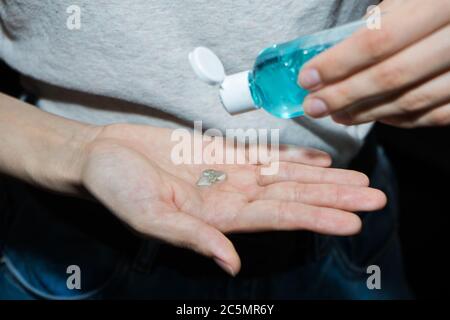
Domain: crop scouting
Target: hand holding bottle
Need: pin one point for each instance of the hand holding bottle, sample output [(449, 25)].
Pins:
[(398, 75)]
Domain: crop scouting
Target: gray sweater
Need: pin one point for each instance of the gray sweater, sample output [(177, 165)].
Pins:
[(128, 61)]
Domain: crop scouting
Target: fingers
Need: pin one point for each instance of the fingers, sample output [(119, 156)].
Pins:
[(312, 157), (268, 156), (307, 174), (348, 198), (425, 96), (401, 26), (186, 231), (265, 154), (264, 215), (437, 117), (410, 66)]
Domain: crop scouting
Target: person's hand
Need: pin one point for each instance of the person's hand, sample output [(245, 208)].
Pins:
[(398, 75), (129, 169)]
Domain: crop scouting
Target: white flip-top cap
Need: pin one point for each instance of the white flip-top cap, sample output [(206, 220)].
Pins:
[(207, 66), (234, 90)]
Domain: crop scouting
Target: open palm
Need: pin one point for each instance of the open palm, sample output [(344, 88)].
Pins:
[(129, 169)]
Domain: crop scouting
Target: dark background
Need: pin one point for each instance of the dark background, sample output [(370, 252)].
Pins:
[(421, 158)]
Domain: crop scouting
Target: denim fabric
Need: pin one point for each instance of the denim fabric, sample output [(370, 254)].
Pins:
[(44, 239)]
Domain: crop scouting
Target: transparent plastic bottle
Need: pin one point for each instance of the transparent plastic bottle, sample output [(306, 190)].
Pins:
[(272, 83)]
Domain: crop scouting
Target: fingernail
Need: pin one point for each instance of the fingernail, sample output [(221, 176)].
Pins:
[(315, 107), (225, 266), (309, 78)]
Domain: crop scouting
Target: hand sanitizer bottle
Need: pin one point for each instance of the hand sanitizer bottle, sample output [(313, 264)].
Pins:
[(272, 83)]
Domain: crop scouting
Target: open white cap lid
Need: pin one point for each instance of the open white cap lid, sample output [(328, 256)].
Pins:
[(207, 66), (234, 90)]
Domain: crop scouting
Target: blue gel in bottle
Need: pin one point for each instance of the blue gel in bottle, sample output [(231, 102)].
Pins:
[(273, 80), (272, 83)]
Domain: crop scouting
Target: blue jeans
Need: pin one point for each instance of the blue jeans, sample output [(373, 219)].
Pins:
[(45, 234)]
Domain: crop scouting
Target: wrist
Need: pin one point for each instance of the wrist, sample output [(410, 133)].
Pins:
[(41, 148), (59, 166)]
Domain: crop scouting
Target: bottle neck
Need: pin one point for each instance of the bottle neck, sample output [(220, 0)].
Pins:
[(235, 93), (257, 100)]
